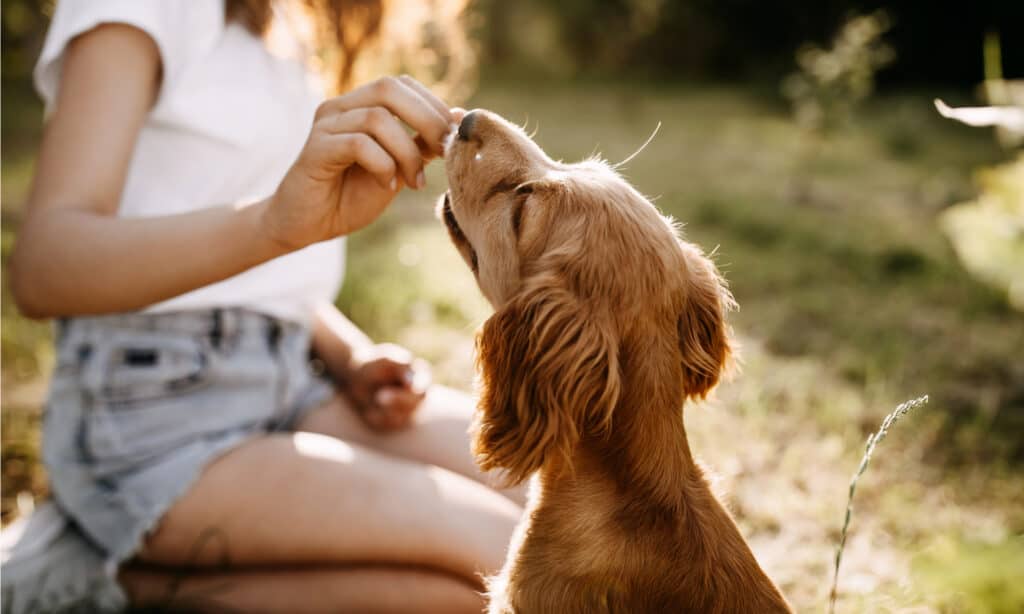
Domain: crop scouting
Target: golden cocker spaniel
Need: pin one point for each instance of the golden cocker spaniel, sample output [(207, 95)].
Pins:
[(606, 322)]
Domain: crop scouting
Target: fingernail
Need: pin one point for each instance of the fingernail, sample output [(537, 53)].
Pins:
[(393, 184), (383, 397), (409, 376), (421, 180)]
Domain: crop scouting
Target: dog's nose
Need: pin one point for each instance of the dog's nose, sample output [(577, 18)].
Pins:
[(466, 126)]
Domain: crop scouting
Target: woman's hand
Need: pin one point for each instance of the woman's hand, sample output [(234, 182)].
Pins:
[(358, 155), (386, 385)]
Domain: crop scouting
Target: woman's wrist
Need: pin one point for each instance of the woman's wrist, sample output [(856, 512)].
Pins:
[(339, 342), (267, 245)]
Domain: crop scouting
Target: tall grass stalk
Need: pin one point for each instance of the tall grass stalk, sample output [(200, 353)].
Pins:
[(873, 439)]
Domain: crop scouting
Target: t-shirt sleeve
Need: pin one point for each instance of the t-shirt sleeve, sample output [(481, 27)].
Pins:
[(181, 29)]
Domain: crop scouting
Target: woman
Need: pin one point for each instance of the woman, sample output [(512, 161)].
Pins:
[(191, 182)]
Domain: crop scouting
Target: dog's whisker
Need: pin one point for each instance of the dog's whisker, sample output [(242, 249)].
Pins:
[(526, 123), (642, 147)]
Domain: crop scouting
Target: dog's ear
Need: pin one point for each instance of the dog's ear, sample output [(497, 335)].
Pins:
[(704, 335), (549, 373)]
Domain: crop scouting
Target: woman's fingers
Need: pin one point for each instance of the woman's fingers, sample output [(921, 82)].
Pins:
[(335, 152), (379, 123), (427, 95), (402, 100), (394, 406), (421, 378), (427, 152)]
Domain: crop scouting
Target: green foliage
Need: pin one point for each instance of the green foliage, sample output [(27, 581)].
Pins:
[(23, 23), (988, 232), (974, 574), (830, 83)]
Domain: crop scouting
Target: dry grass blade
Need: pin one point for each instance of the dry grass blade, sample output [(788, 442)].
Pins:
[(873, 439)]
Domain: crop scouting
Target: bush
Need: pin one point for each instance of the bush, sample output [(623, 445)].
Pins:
[(830, 83)]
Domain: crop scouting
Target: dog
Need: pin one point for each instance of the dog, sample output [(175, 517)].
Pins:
[(605, 323)]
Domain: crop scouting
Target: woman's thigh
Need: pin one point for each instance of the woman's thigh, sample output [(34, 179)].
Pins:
[(438, 434), (306, 498), (365, 589)]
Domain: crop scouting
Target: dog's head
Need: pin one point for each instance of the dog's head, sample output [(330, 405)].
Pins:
[(590, 284)]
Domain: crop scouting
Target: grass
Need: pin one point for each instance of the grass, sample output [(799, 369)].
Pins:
[(851, 300), (873, 440), (967, 571)]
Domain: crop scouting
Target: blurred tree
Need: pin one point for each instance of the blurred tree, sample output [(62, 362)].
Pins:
[(671, 39), (743, 39)]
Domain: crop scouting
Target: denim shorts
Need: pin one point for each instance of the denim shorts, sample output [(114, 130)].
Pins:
[(140, 403)]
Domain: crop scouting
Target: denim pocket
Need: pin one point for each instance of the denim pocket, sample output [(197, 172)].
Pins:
[(143, 369), (143, 394)]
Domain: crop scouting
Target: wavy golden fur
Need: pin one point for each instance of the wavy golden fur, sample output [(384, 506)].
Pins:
[(606, 322)]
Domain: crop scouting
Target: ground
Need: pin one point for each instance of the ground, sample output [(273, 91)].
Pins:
[(851, 301)]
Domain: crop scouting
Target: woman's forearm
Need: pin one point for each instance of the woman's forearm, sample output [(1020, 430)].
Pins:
[(75, 262), (74, 256)]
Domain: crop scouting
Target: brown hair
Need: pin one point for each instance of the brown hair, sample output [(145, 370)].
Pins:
[(424, 39)]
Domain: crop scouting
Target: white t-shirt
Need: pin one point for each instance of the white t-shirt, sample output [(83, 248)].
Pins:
[(229, 120)]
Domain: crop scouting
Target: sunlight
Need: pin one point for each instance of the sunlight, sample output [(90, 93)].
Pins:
[(323, 447)]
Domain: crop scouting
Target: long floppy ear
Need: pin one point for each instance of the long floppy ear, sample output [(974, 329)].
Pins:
[(704, 336), (549, 373)]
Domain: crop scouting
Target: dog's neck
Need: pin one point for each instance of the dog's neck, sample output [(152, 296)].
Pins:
[(649, 454), (646, 456), (658, 486)]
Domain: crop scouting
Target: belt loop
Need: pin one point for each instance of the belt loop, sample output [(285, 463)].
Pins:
[(273, 333), (217, 329), (62, 325)]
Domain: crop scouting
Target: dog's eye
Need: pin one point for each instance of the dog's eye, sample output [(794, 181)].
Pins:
[(507, 184)]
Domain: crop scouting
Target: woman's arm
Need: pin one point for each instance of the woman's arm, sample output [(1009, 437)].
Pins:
[(74, 257), (337, 341), (385, 383)]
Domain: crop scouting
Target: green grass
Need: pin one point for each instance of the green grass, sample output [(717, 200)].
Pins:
[(851, 300), (982, 578)]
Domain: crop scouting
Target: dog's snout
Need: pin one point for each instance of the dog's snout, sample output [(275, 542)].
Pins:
[(466, 126)]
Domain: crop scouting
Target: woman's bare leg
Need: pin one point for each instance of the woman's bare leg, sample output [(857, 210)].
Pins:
[(358, 588), (310, 499), (438, 435)]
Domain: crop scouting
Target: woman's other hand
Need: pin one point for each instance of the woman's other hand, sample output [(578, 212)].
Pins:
[(358, 155), (386, 384)]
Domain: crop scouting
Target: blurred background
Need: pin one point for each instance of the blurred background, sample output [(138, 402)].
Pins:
[(875, 247)]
